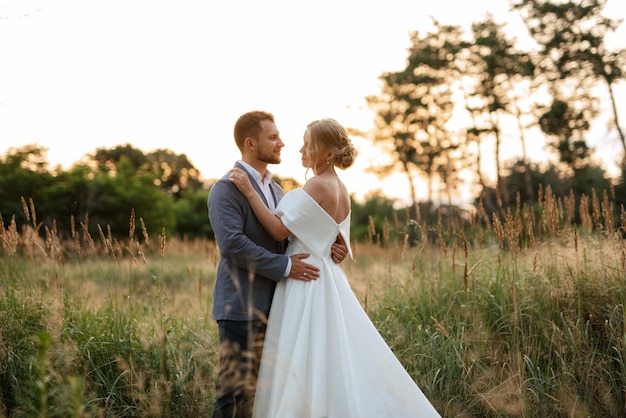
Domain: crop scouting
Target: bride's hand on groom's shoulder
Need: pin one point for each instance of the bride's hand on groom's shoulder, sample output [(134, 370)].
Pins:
[(240, 179)]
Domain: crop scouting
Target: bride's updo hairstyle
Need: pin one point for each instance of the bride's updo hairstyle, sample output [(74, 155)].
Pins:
[(331, 135)]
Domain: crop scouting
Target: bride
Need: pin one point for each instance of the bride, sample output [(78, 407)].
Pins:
[(322, 355)]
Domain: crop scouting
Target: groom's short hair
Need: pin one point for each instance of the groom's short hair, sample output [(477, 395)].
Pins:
[(248, 125)]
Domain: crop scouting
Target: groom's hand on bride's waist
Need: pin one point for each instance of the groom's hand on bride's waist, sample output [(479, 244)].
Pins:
[(301, 270), (339, 250)]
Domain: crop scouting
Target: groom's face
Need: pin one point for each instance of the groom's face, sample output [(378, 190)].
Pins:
[(268, 144)]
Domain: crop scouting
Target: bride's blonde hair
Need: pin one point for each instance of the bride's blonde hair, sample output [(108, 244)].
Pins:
[(331, 135)]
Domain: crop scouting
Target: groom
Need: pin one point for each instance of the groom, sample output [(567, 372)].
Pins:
[(251, 264)]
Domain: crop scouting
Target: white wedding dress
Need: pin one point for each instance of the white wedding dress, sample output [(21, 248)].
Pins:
[(323, 357)]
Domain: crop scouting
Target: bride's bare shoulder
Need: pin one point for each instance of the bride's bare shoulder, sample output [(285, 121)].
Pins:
[(317, 188)]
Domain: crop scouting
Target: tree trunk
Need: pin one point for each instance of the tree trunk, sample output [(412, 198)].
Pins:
[(615, 118), (527, 177), (414, 212), (501, 190)]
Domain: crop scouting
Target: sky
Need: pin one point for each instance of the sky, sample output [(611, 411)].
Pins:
[(77, 75)]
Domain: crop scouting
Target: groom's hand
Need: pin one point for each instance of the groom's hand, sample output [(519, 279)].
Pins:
[(339, 250), (301, 270)]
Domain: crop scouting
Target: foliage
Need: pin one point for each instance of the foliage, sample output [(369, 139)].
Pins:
[(114, 198), (100, 198), (370, 219), (581, 183), (172, 172), (192, 216)]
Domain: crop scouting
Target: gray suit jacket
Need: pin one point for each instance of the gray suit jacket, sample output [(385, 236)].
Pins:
[(251, 262)]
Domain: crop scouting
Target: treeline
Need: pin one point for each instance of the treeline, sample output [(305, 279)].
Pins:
[(123, 191), (161, 190)]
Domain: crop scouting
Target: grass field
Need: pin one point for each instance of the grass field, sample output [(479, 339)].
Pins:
[(520, 315)]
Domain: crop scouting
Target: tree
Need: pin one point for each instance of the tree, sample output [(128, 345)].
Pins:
[(172, 172), (107, 159), (572, 57), (113, 199), (191, 210), (415, 106), (23, 175), (496, 69)]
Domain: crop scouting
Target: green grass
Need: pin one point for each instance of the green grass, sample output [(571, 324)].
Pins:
[(491, 320)]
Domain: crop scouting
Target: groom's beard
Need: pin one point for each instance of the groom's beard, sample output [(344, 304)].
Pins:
[(269, 157)]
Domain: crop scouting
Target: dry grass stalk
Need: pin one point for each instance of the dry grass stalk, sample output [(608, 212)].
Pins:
[(54, 244), (507, 396), (570, 207), (108, 242), (385, 231), (86, 234), (144, 231), (440, 327), (442, 241), (454, 247), (595, 212), (11, 238), (131, 229), (75, 236), (423, 235), (405, 246), (513, 230), (585, 215), (465, 253), (550, 214), (499, 230), (529, 219), (607, 214), (25, 209), (141, 253), (162, 241)]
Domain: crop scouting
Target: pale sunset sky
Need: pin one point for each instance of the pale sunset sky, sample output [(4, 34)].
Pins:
[(76, 75)]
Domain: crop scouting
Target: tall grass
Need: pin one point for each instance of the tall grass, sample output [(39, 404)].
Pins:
[(97, 327), (514, 315)]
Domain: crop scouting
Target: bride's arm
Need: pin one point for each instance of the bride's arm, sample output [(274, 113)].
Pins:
[(270, 222)]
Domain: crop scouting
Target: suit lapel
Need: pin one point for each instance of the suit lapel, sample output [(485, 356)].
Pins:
[(273, 187)]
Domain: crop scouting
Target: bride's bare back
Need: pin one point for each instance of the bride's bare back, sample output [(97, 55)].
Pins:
[(330, 193)]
